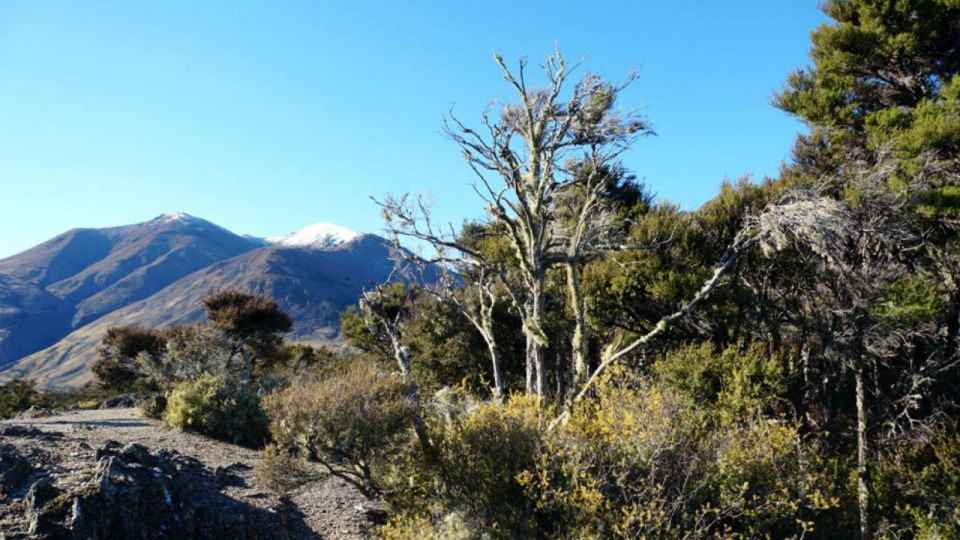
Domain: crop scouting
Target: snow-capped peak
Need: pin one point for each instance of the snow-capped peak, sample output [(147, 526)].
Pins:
[(318, 235), (184, 220), (175, 216)]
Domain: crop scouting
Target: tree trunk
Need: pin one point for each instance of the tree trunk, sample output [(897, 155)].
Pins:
[(863, 466), (531, 358), (494, 361), (533, 328), (247, 365), (578, 343), (419, 425), (487, 303)]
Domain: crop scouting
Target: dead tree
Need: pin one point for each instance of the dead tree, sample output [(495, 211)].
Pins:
[(521, 160), (443, 272)]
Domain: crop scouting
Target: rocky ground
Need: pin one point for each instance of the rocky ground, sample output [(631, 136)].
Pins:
[(113, 474)]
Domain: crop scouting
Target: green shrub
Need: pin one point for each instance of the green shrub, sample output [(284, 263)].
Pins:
[(472, 484), (219, 406), (354, 417), (918, 486), (115, 366), (740, 380), (281, 470), (17, 395), (637, 460), (153, 406), (642, 461), (451, 527)]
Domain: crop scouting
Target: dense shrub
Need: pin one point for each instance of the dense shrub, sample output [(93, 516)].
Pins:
[(17, 395), (918, 486), (115, 366), (739, 380), (352, 417), (471, 483), (637, 460), (281, 470), (219, 406), (153, 405), (189, 352)]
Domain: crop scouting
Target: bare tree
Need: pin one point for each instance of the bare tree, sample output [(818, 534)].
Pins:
[(524, 160), (443, 271)]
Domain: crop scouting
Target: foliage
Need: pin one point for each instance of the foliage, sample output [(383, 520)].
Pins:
[(912, 299), (220, 406), (918, 485), (737, 380), (17, 395), (245, 316), (638, 460), (190, 352), (481, 447), (355, 416), (153, 406), (282, 470), (253, 322), (115, 365)]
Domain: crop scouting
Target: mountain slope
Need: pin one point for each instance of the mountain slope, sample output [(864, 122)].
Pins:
[(312, 285), (77, 277)]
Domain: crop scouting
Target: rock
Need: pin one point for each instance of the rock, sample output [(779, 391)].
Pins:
[(136, 494), (123, 401), (41, 492), (137, 453), (21, 431), (109, 448), (14, 469), (35, 411)]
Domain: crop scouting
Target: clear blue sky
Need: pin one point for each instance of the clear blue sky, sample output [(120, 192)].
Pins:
[(267, 116)]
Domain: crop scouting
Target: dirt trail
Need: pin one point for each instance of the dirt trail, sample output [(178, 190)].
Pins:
[(66, 454)]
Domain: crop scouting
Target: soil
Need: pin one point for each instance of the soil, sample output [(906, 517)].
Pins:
[(63, 449)]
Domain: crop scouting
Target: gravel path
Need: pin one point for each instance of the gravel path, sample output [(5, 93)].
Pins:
[(326, 508)]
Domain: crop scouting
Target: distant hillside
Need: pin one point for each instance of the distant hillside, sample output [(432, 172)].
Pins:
[(63, 284), (57, 300)]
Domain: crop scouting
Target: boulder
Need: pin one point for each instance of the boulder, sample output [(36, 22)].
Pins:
[(14, 469), (136, 494), (35, 411), (123, 401)]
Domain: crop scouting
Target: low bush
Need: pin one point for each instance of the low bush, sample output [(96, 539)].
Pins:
[(739, 379), (637, 460), (115, 366), (153, 406), (221, 406), (17, 395), (282, 470), (471, 483), (354, 416), (918, 486)]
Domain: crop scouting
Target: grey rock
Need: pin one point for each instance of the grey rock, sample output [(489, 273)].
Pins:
[(14, 469), (123, 401)]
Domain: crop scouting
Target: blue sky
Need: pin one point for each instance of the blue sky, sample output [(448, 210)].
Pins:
[(267, 116)]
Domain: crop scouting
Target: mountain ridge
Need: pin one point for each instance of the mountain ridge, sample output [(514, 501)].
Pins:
[(57, 298)]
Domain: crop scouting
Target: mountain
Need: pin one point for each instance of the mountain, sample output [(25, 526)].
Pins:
[(57, 299), (65, 283), (316, 236)]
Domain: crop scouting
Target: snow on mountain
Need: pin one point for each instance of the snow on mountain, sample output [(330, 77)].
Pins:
[(317, 236), (186, 220)]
